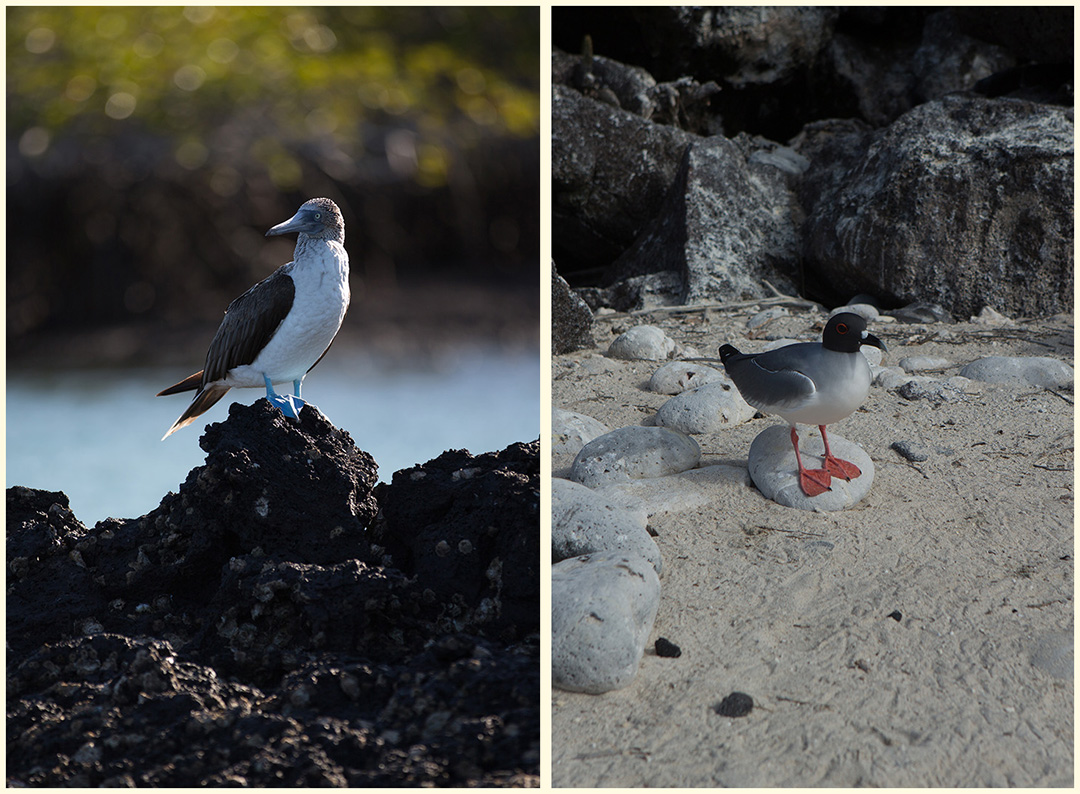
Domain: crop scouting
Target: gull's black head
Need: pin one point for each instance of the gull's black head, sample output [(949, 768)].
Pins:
[(319, 218), (846, 333)]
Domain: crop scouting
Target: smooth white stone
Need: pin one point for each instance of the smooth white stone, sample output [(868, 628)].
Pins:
[(583, 521), (772, 466), (602, 611), (633, 453), (571, 431)]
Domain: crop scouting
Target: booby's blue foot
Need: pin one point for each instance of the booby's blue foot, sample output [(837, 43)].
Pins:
[(286, 403)]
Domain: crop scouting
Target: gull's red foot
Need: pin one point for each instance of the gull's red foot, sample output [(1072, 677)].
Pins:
[(814, 481), (844, 469)]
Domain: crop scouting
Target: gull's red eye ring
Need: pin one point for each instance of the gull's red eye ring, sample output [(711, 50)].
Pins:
[(841, 328)]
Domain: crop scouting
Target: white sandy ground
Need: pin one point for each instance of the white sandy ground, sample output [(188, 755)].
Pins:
[(972, 687)]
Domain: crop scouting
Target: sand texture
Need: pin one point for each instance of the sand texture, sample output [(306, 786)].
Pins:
[(920, 638)]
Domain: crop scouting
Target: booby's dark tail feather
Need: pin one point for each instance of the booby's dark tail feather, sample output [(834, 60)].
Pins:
[(202, 403), (190, 383)]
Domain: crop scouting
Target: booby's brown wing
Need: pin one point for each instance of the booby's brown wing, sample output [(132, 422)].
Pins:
[(250, 322)]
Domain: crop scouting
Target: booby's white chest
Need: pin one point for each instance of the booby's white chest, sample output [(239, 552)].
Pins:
[(320, 274)]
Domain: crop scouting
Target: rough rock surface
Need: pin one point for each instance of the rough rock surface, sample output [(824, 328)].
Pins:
[(570, 431), (983, 184), (571, 318), (610, 170), (720, 230), (261, 627), (583, 522), (820, 152), (634, 453)]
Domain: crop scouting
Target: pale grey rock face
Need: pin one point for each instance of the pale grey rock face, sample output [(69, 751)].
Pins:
[(675, 377), (570, 431), (924, 364)]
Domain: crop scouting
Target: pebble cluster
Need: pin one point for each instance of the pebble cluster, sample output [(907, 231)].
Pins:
[(605, 580)]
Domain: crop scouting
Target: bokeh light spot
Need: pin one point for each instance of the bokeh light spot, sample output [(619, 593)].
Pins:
[(189, 77), (34, 142), (222, 50), (120, 105), (40, 40), (191, 154)]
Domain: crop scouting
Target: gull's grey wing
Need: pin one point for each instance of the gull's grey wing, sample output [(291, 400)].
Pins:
[(772, 381)]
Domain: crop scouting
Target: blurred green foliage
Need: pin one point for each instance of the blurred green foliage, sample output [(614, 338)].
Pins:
[(452, 77)]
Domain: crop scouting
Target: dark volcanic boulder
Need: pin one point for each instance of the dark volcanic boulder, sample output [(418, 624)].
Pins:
[(271, 488), (610, 170), (571, 318), (964, 201), (252, 631), (726, 225), (468, 528)]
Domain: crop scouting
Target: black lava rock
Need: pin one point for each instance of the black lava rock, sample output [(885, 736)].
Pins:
[(253, 630), (737, 704), (667, 648), (468, 528), (896, 615)]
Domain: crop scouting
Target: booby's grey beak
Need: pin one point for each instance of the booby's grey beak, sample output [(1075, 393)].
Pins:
[(305, 221), (869, 339)]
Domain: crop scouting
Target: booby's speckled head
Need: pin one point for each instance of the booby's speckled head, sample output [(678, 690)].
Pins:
[(319, 218)]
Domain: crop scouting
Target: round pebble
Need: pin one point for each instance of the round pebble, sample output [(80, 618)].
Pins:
[(991, 316), (634, 453), (675, 377), (583, 522), (667, 648), (571, 431), (676, 493), (920, 312), (775, 473), (706, 409), (873, 355), (1047, 373), (737, 704), (602, 610), (642, 343)]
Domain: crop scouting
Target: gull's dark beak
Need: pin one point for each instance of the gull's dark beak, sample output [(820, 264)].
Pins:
[(869, 339)]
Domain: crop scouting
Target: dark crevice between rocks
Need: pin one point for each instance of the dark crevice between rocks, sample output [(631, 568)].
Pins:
[(282, 621)]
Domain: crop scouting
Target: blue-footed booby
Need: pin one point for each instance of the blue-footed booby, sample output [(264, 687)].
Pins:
[(810, 383), (278, 330)]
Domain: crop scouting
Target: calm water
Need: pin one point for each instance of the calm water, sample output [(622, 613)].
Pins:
[(95, 435)]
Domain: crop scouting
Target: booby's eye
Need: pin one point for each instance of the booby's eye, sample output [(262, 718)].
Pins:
[(318, 216), (841, 328)]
